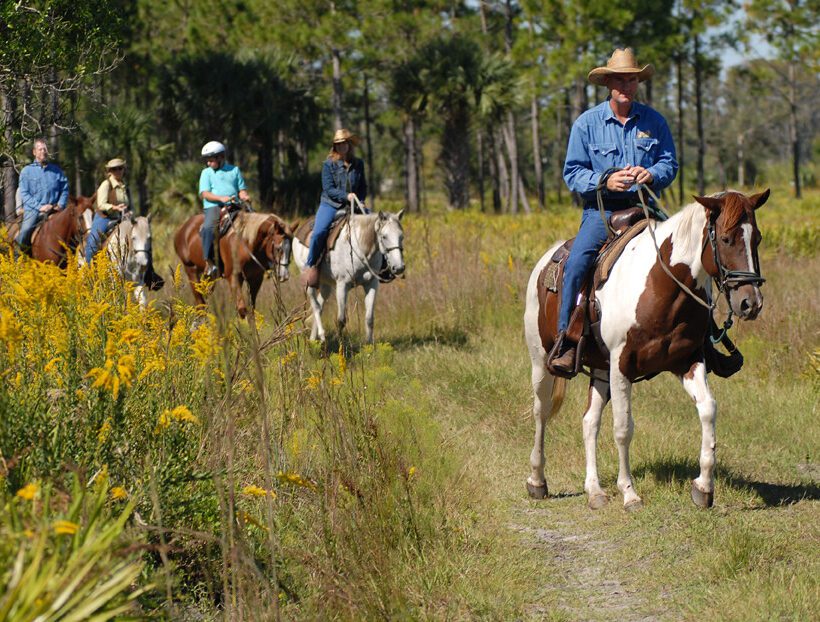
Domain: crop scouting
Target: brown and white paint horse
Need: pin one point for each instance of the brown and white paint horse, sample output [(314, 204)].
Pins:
[(254, 244), (649, 324)]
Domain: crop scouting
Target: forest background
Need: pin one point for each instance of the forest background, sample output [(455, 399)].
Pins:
[(465, 100)]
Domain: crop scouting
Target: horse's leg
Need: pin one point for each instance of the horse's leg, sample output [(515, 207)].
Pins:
[(697, 386), (598, 397), (342, 290), (542, 411), (235, 280), (623, 424), (371, 287), (317, 297), (139, 295)]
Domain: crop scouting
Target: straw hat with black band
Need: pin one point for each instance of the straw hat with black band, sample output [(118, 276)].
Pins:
[(115, 163), (345, 136), (622, 62)]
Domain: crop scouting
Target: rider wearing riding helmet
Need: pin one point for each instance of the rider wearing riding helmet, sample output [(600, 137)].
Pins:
[(219, 184), (343, 183)]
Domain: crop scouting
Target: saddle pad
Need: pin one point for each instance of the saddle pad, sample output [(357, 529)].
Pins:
[(305, 229), (612, 251)]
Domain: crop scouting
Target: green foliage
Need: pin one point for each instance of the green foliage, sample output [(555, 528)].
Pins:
[(64, 556)]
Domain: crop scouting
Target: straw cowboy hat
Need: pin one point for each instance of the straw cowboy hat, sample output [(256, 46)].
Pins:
[(115, 163), (345, 136), (621, 62)]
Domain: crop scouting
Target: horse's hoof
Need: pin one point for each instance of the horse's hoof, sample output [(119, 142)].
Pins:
[(537, 492), (633, 506), (702, 499), (596, 502)]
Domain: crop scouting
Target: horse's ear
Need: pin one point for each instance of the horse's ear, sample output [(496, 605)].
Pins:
[(150, 217), (759, 199), (382, 215), (295, 224), (712, 204), (400, 214)]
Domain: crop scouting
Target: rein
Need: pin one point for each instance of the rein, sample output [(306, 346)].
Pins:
[(383, 251)]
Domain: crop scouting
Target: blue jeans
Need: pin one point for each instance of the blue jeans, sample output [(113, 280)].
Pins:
[(591, 237), (208, 232), (100, 227), (30, 220), (318, 239)]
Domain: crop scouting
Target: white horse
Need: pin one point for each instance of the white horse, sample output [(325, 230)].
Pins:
[(365, 242), (654, 317), (128, 248)]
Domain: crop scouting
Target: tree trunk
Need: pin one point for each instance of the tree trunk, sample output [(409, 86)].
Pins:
[(699, 114), (503, 174), (455, 155), (495, 172), (411, 165), (794, 134), (741, 156), (53, 111), (536, 153), (508, 131), (9, 173), (480, 149), (371, 179), (264, 168), (681, 145), (337, 89)]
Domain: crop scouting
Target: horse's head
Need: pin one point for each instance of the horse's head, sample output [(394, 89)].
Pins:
[(390, 238), (139, 244), (81, 210), (277, 247), (730, 249)]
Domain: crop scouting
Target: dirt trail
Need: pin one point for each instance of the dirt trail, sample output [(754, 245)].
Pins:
[(578, 569)]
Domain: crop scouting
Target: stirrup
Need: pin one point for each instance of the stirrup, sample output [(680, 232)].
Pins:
[(559, 350)]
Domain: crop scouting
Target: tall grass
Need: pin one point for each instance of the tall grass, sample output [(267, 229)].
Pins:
[(272, 477)]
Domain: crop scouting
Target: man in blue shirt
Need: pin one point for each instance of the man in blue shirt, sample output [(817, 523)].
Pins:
[(219, 184), (619, 134), (43, 188)]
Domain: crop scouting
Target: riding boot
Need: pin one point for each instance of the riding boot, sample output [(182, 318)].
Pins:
[(561, 359), (211, 271)]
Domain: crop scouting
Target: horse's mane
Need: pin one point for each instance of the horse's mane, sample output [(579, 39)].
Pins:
[(687, 225), (251, 222), (366, 232), (733, 210)]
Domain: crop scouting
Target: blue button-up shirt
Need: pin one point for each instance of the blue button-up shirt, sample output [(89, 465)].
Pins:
[(598, 141), (224, 181), (43, 185)]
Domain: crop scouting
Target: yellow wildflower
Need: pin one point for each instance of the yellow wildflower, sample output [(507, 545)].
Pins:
[(10, 332), (129, 336), (28, 533), (411, 471), (104, 432), (296, 480), (288, 358), (52, 365), (204, 287), (65, 527), (111, 375), (342, 361), (510, 262), (247, 518), (29, 491), (178, 276), (335, 382), (118, 493), (179, 413), (257, 491), (204, 344), (150, 368), (313, 381)]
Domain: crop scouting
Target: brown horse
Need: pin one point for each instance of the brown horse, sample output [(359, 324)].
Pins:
[(61, 231), (254, 244), (654, 316)]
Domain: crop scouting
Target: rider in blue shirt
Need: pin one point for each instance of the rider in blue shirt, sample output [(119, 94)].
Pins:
[(43, 188), (219, 184), (618, 133)]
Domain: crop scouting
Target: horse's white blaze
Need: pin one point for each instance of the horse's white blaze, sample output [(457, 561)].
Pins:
[(128, 248), (355, 256)]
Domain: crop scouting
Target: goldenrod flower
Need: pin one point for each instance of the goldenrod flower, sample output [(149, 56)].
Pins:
[(342, 361), (52, 365), (296, 480), (65, 527), (118, 493), (204, 344), (180, 413), (411, 471), (10, 332), (289, 357), (313, 381), (29, 491), (257, 491), (129, 336)]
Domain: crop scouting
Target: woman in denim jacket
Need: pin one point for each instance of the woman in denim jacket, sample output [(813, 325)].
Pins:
[(343, 182)]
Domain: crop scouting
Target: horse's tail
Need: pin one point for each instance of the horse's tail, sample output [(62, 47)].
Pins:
[(559, 391)]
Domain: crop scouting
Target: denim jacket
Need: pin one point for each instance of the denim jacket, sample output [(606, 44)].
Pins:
[(598, 141), (338, 181)]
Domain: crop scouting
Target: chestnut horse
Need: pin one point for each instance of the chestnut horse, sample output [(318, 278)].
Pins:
[(254, 244), (61, 231), (650, 323)]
